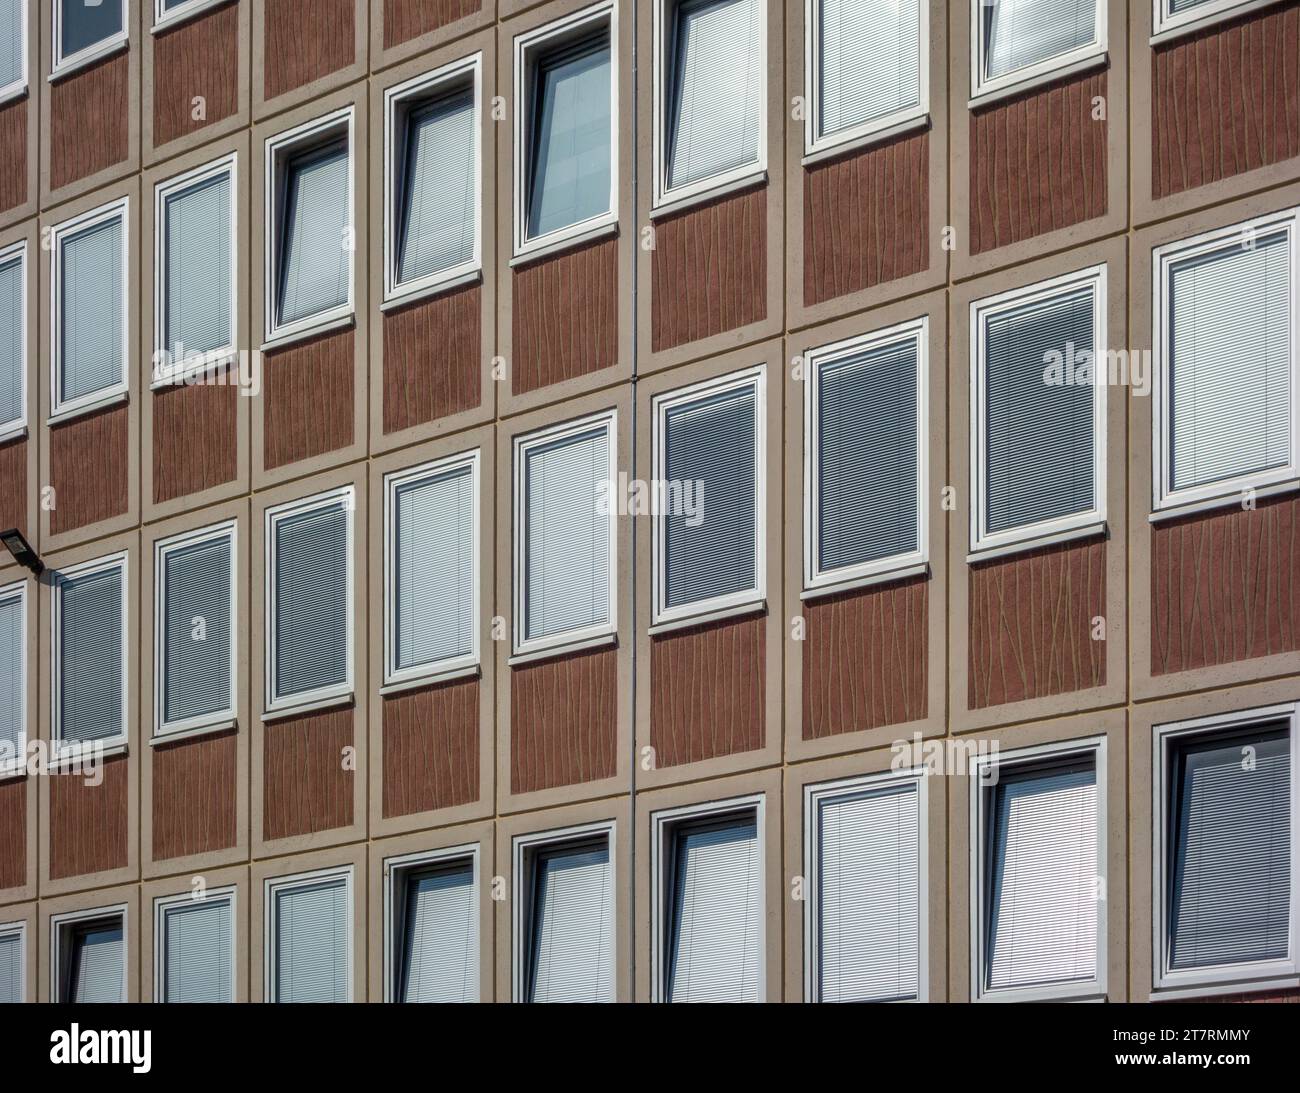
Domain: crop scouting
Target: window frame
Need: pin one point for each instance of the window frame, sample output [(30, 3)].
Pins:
[(1167, 24), (272, 887), (984, 779), (227, 530), (70, 751), (164, 19), (1254, 975), (63, 409), (395, 872), (1079, 59), (337, 693), (18, 87), (529, 45), (18, 426), (61, 927), (986, 544), (17, 766), (817, 580), (399, 101), (449, 667), (873, 130), (18, 930), (730, 603), (523, 860), (61, 64), (814, 795), (569, 640), (163, 906), (664, 825), (1164, 498), (279, 150)]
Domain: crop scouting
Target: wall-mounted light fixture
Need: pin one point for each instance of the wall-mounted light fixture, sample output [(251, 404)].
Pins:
[(21, 549)]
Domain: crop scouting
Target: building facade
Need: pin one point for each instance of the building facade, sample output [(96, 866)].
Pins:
[(681, 500)]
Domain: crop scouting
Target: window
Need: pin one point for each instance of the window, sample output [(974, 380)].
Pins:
[(1038, 864), (710, 109), (13, 962), (566, 83), (309, 227), (88, 961), (89, 639), (565, 544), (13, 341), (432, 932), (167, 13), (431, 584), (13, 678), (866, 907), (1019, 44), (195, 270), (865, 471), (867, 69), (431, 193), (84, 31), (88, 364), (194, 947), (309, 930), (13, 51), (194, 628), (1224, 403), (708, 905), (1226, 842), (309, 600), (564, 916), (709, 448), (1176, 17), (1038, 412)]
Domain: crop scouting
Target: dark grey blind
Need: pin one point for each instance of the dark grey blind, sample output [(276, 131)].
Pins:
[(12, 681), (84, 24), (11, 968), (97, 963), (90, 656), (312, 942), (437, 214), (198, 951), (869, 59), (196, 630), (91, 313), (1019, 33), (311, 600), (12, 42), (11, 338), (572, 929), (197, 307), (315, 259), (440, 956)]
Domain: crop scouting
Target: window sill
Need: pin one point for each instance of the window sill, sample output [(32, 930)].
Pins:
[(13, 94), (328, 326), (1227, 501), (548, 249), (430, 679), (13, 432), (981, 99), (212, 728), (674, 205), (834, 147), (75, 758), (186, 375), (705, 618), (1207, 990), (405, 298), (175, 19), (868, 580), (1209, 19), (86, 60), (531, 656), (12, 772), (61, 417), (1025, 545), (317, 705)]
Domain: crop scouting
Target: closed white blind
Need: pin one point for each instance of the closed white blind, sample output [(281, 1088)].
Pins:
[(1019, 33), (869, 896), (716, 938), (198, 943), (83, 24), (91, 312), (1230, 849), (716, 88), (11, 968), (1042, 886), (572, 957), (566, 537), (440, 958), (12, 643), (868, 59), (438, 222), (433, 539), (196, 630), (12, 41), (98, 971), (709, 446), (90, 656), (11, 340), (198, 281), (314, 235), (311, 943), (311, 600), (1230, 342)]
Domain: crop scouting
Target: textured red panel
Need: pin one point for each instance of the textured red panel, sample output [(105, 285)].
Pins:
[(13, 154), (194, 796), (13, 487), (305, 785), (407, 19), (13, 833), (308, 390), (89, 121), (306, 40), (88, 824), (431, 752), (563, 721), (199, 58), (195, 438), (433, 358), (88, 469)]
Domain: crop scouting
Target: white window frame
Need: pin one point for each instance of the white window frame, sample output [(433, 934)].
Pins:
[(1165, 499), (985, 776), (448, 667), (527, 47), (339, 692), (280, 148), (663, 827), (60, 409), (164, 20), (163, 548), (1080, 59), (816, 579), (816, 794), (569, 640), (18, 426), (165, 371), (396, 872), (272, 887), (19, 86), (666, 199), (1167, 24), (163, 905), (61, 927), (400, 98), (732, 603), (867, 132), (523, 858), (72, 62), (1224, 978), (984, 543), (72, 751), (18, 930), (17, 764)]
